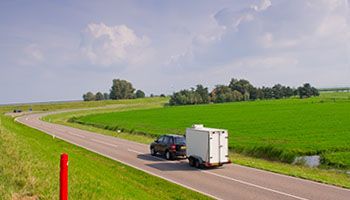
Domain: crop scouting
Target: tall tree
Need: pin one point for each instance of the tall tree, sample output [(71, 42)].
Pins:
[(243, 86), (140, 94), (122, 89), (221, 93), (203, 93), (306, 91), (106, 96), (89, 96), (99, 96), (277, 91)]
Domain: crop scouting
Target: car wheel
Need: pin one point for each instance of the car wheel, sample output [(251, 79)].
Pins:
[(153, 152), (168, 155)]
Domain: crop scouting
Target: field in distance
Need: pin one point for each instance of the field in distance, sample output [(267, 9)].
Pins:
[(273, 129)]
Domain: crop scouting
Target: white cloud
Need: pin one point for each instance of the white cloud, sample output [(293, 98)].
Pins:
[(264, 4), (31, 55), (232, 19), (229, 19), (108, 45), (268, 40), (265, 29)]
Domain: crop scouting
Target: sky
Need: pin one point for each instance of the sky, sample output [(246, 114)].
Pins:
[(58, 50)]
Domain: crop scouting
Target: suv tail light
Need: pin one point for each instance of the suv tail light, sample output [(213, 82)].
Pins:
[(173, 147)]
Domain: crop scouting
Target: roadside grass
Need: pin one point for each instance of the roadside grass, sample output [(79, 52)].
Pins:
[(29, 167), (327, 176), (273, 129), (51, 106), (118, 106), (337, 159)]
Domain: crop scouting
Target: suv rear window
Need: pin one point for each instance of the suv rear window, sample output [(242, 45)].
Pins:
[(167, 140), (180, 140)]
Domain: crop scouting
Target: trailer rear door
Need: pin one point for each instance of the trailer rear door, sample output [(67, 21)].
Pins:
[(214, 142), (218, 147), (223, 141)]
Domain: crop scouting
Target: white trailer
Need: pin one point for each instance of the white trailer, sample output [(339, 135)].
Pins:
[(206, 146)]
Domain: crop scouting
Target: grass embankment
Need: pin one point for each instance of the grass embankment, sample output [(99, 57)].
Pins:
[(110, 104), (147, 103), (29, 167), (275, 129)]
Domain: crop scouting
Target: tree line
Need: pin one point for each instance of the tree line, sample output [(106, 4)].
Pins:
[(239, 90), (121, 89)]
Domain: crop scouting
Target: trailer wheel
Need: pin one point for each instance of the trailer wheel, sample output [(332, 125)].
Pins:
[(197, 164)]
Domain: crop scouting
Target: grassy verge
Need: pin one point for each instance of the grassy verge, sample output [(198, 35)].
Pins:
[(337, 159), (80, 104), (333, 177), (65, 118), (29, 167)]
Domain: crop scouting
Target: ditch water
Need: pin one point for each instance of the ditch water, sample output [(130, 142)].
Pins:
[(310, 161)]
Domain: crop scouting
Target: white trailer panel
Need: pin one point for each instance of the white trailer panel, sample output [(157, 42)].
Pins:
[(210, 144)]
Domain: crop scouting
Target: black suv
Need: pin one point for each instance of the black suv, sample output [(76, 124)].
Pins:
[(169, 145)]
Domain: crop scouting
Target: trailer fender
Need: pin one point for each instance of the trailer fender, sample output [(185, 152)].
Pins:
[(193, 158)]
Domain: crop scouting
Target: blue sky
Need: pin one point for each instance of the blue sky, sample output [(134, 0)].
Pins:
[(58, 50)]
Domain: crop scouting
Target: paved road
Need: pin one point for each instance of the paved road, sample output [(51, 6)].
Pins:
[(229, 182)]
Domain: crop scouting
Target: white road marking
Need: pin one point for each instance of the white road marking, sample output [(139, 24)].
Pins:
[(254, 185), (105, 143), (138, 152), (81, 136)]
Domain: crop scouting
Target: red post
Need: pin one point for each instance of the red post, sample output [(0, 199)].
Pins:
[(64, 177)]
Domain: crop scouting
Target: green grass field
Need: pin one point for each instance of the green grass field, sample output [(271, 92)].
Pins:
[(335, 96), (29, 167), (107, 104), (274, 129)]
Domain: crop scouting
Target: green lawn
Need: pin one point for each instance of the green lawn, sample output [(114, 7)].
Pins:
[(29, 167), (274, 129)]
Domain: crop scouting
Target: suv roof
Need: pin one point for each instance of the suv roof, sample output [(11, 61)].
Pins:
[(174, 135)]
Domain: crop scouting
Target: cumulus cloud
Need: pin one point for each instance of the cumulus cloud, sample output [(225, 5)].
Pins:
[(267, 28), (232, 19), (264, 4), (110, 45), (31, 55)]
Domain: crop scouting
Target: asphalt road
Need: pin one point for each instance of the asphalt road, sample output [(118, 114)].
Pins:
[(229, 182)]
